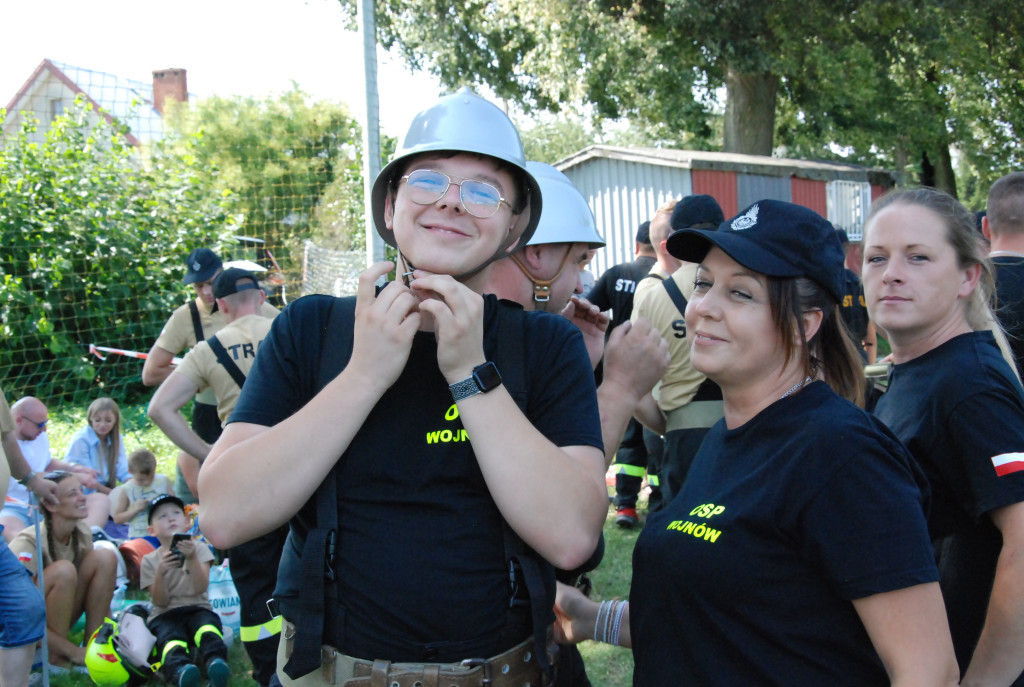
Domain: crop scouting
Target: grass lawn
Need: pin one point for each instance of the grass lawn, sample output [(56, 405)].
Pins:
[(612, 666), (607, 666), (138, 432)]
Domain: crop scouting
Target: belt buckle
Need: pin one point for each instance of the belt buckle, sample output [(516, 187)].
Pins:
[(474, 662), (272, 608)]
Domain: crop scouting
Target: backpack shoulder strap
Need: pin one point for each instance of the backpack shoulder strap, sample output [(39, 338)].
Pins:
[(511, 356), (318, 551), (526, 568), (197, 322), (675, 294), (225, 359), (336, 340)]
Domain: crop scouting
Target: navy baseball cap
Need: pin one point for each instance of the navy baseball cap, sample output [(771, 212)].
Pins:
[(698, 209), (774, 238), (226, 283), (201, 265), (161, 500), (643, 233)]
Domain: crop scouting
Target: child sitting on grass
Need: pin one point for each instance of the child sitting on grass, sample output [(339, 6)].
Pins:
[(100, 448), (177, 576), (135, 495)]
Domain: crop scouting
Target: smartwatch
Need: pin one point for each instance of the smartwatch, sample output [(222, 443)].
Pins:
[(485, 377)]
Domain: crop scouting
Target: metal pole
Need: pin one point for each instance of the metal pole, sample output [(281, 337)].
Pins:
[(33, 507), (375, 249)]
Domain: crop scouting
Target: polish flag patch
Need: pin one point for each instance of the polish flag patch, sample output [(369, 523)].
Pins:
[(1007, 463), (25, 556)]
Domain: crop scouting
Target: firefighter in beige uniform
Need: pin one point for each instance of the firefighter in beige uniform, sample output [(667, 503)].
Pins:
[(191, 323), (690, 402), (254, 564)]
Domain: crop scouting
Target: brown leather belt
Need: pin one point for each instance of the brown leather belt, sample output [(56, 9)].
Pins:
[(516, 667)]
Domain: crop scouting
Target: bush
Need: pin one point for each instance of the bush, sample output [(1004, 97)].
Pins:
[(92, 238)]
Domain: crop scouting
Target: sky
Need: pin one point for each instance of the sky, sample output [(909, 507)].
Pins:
[(228, 47)]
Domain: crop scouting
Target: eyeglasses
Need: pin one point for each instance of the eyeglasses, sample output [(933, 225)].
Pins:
[(39, 425), (57, 475), (478, 197)]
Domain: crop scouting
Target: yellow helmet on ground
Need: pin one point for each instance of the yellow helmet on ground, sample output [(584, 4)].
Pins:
[(106, 664)]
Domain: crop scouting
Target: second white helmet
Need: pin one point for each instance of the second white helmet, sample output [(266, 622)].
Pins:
[(567, 218)]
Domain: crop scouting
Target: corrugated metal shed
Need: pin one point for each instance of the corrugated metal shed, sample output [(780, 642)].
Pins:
[(720, 185), (811, 194), (625, 186)]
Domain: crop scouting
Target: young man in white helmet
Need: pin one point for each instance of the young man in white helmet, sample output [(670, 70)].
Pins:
[(548, 265), (417, 487)]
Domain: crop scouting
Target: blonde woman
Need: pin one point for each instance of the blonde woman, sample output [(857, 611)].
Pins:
[(99, 446), (956, 402)]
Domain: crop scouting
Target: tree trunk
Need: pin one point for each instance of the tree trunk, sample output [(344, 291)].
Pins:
[(749, 112), (944, 176), (936, 162), (937, 170)]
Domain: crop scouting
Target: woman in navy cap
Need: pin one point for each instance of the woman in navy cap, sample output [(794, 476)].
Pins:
[(956, 402), (797, 551)]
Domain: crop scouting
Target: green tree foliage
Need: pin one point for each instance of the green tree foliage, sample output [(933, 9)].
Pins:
[(276, 157), (552, 56), (92, 239), (554, 140), (894, 84), (339, 219), (987, 101)]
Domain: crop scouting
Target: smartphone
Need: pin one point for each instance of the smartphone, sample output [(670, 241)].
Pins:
[(177, 538)]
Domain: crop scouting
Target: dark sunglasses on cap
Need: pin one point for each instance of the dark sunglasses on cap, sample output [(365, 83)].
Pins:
[(427, 186), (57, 475)]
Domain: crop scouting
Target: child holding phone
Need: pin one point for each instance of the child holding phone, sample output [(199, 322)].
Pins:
[(177, 575)]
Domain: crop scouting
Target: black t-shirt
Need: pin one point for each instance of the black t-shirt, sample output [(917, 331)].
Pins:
[(959, 408), (1010, 301), (616, 287), (747, 576), (421, 554), (854, 310)]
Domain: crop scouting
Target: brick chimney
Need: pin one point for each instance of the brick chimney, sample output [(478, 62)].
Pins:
[(169, 84)]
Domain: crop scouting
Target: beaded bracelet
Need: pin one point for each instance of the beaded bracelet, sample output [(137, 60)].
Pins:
[(609, 621), (602, 612), (618, 622)]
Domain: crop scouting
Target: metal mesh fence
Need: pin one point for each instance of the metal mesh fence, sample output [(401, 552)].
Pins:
[(107, 184), (331, 271)]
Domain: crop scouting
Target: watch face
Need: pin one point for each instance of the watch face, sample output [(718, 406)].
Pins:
[(487, 376)]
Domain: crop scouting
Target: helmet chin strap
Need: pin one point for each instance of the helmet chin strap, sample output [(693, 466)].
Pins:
[(542, 287), (498, 255)]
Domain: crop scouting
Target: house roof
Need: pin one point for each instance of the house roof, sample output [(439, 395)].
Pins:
[(128, 100)]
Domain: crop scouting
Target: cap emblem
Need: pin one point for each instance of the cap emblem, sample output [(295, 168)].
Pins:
[(745, 221), (196, 265)]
